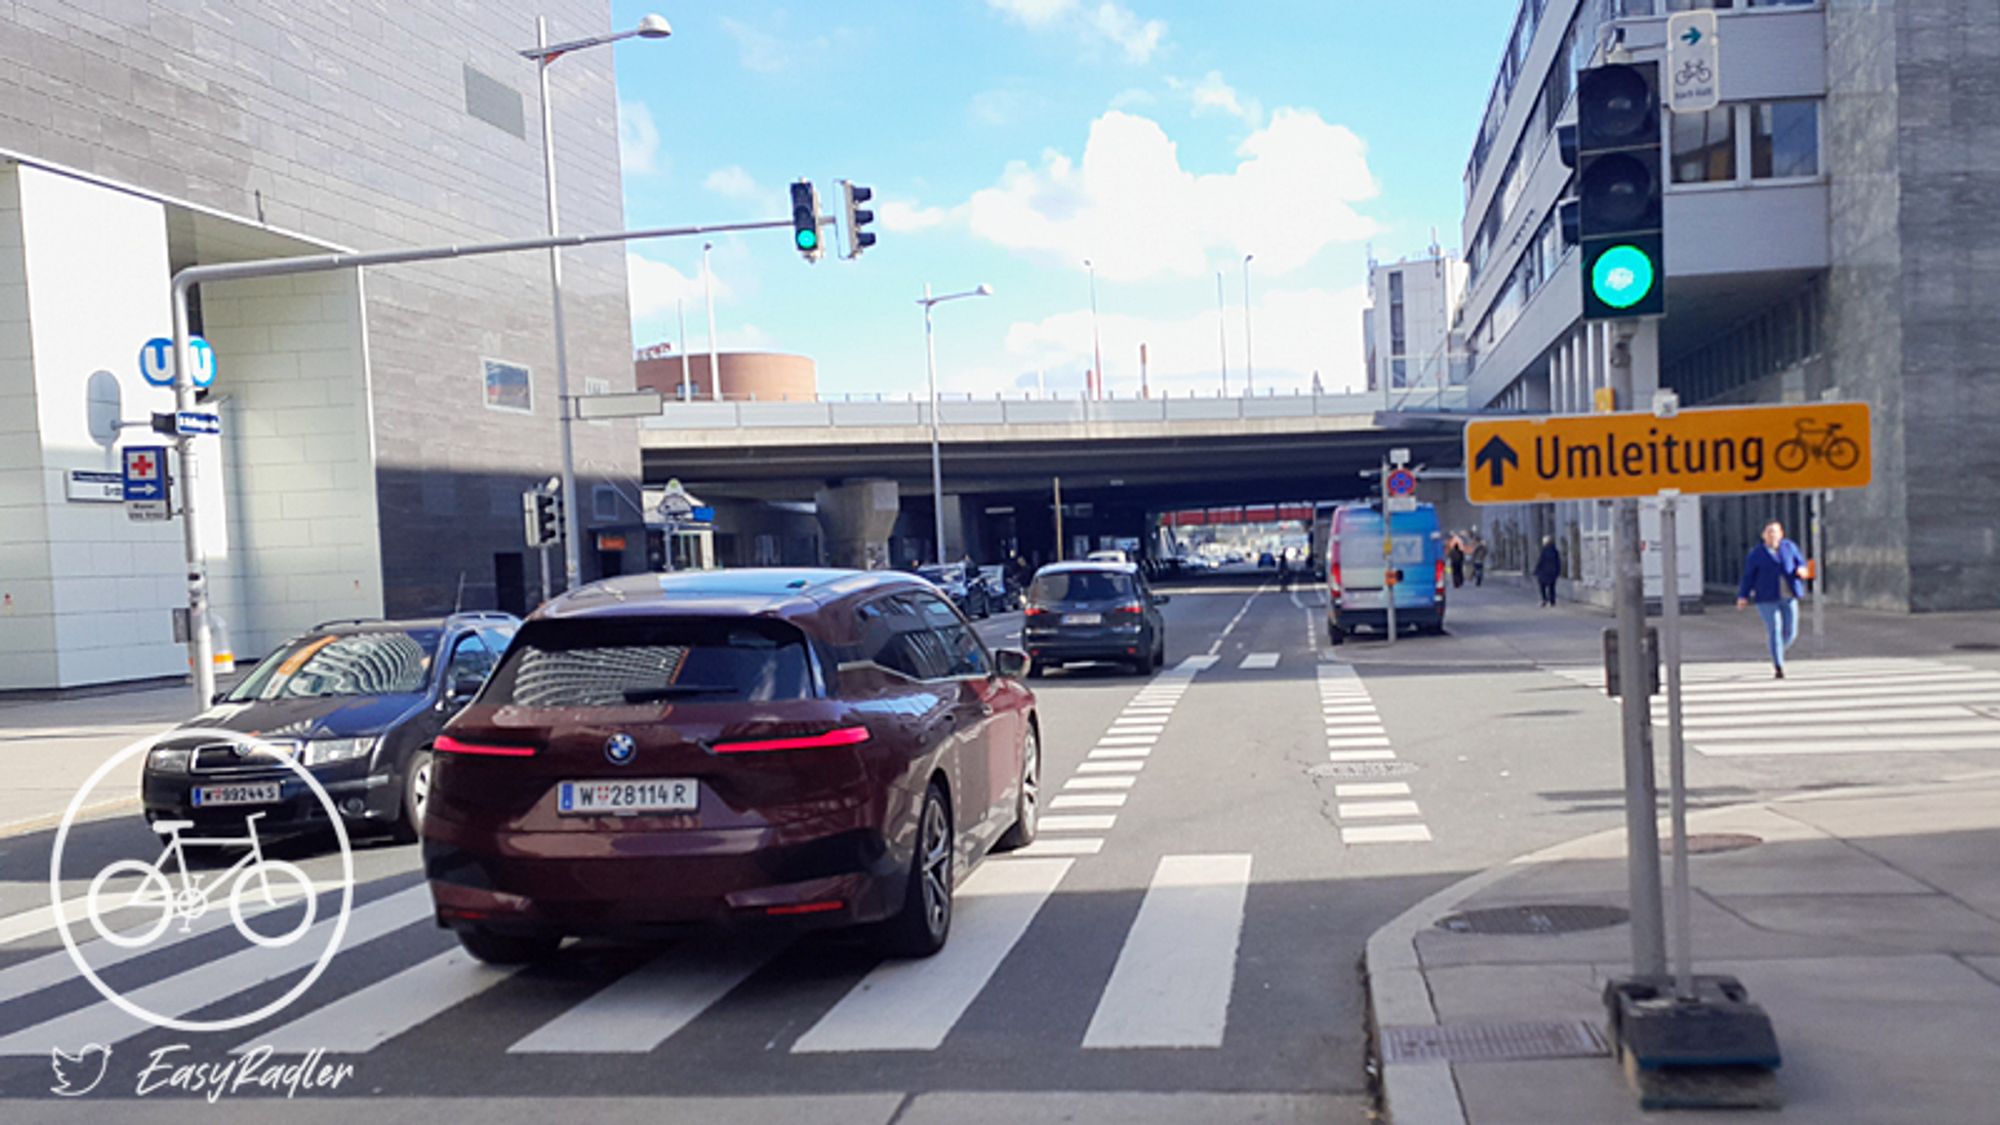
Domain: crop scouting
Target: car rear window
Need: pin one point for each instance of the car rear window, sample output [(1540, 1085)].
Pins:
[(596, 663), (1080, 586)]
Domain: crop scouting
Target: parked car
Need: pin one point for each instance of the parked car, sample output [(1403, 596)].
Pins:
[(1266, 560), (1108, 555), (1356, 580), (1094, 611), (809, 748), (960, 583), (1001, 590), (359, 703)]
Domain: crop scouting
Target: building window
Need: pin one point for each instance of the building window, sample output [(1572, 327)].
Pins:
[(508, 386), (1704, 146), (1396, 286), (1784, 140), (604, 503), (1399, 373)]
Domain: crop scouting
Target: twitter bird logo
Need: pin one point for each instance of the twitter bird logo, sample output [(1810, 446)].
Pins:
[(79, 1074)]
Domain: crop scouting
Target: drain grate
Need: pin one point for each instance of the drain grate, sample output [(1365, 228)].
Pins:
[(1494, 1042), (1363, 769), (1563, 918), (1709, 843)]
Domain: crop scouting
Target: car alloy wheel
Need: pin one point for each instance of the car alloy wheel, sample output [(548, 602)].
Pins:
[(920, 927), (416, 796), (937, 868), (1027, 806)]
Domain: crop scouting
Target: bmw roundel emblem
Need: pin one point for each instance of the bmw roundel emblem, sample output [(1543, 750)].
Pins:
[(619, 749)]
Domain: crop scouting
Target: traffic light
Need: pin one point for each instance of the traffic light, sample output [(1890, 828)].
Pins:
[(541, 509), (1620, 213), (805, 220), (853, 196)]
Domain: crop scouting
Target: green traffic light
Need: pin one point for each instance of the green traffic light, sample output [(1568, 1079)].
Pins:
[(1622, 276), (808, 240)]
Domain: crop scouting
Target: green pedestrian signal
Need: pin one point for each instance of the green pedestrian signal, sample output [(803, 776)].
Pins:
[(1622, 276), (1620, 210), (805, 219), (808, 240)]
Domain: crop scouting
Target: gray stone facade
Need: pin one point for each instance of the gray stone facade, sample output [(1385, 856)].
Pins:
[(1912, 137), (348, 124)]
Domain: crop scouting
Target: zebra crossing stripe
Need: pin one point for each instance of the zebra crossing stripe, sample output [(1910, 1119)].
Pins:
[(55, 968), (1901, 744), (1375, 810), (1123, 765), (367, 1018), (913, 1005), (1171, 985), (645, 1007), (1378, 755), (1088, 801), (1076, 822), (1259, 660), (1098, 783), (1386, 834), (1373, 789), (1079, 845), (105, 1022)]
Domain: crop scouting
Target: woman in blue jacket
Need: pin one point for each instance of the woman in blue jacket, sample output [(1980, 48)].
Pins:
[(1772, 576)]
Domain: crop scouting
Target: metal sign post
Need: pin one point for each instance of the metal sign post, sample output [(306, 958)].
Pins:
[(1670, 643), (1816, 501), (1388, 555)]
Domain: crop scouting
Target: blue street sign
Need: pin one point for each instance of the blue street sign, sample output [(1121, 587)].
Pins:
[(197, 422), (145, 472), (156, 361)]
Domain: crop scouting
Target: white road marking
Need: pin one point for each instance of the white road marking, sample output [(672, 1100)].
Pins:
[(1103, 752), (1357, 740), (1132, 765), (1376, 810), (1098, 783), (367, 1018), (1110, 740), (55, 968), (912, 1005), (1122, 727), (1195, 664), (1089, 801), (1171, 985), (1229, 628), (1386, 834), (1077, 822), (1384, 755), (1257, 660), (1080, 845), (647, 1006), (1373, 789), (177, 995), (1898, 745)]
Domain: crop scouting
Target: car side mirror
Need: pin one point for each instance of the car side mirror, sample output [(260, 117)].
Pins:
[(1162, 599), (463, 689), (217, 698), (1012, 663)]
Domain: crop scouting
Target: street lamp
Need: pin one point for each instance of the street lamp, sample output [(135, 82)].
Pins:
[(930, 362), (1096, 346), (708, 294), (1249, 370), (1222, 331), (544, 53)]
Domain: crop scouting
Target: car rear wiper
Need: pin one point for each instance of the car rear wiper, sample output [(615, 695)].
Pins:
[(675, 691)]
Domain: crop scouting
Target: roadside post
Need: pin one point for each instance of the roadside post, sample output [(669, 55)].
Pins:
[(1687, 1039)]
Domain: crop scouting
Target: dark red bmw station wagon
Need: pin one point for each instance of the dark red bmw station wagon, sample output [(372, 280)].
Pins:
[(821, 747)]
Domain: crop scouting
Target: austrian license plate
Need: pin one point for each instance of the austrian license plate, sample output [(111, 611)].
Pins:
[(613, 798), (248, 793), (1083, 619)]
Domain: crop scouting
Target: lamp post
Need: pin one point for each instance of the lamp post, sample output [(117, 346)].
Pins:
[(544, 53), (930, 365), (1249, 370), (708, 293), (1096, 346), (687, 383), (1222, 331)]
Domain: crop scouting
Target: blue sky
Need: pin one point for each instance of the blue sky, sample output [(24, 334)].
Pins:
[(1007, 140)]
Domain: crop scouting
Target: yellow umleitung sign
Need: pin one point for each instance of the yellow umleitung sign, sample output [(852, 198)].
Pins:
[(1713, 450)]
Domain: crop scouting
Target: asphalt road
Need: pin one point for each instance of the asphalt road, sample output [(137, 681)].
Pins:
[(1221, 840)]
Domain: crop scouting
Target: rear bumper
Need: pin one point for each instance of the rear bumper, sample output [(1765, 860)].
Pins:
[(371, 798), (1378, 619)]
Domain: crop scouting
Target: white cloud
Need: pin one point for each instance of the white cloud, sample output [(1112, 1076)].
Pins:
[(1213, 94), (762, 51), (732, 182), (1136, 37), (638, 138), (896, 215), (1131, 207), (1033, 13), (655, 286), (1133, 98)]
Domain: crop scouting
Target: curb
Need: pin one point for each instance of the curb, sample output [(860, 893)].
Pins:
[(1399, 994), (100, 811)]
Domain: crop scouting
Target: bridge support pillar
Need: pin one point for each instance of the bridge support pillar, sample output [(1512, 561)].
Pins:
[(857, 518)]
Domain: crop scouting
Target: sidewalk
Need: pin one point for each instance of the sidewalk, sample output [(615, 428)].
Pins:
[(1867, 923), (49, 748)]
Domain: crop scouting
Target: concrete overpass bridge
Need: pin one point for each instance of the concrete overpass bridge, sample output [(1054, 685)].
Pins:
[(1119, 461)]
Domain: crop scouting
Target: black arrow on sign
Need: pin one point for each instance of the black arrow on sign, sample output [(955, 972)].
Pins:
[(1494, 457)]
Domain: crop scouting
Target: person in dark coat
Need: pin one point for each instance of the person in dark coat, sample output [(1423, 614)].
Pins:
[(1548, 568), (1455, 552), (1772, 575)]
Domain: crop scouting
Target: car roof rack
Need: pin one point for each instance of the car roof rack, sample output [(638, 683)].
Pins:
[(481, 615), (345, 621)]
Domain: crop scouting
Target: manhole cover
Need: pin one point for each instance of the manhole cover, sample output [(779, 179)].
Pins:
[(1709, 843), (1363, 769), (1549, 919), (1978, 646), (1487, 1042)]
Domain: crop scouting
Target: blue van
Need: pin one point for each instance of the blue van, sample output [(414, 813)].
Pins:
[(1354, 571)]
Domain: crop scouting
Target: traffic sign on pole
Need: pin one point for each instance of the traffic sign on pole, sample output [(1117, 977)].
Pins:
[(1699, 452), (156, 361), (145, 482), (1694, 65)]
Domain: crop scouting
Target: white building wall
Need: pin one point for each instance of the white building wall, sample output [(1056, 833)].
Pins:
[(27, 615), (293, 368), (96, 274)]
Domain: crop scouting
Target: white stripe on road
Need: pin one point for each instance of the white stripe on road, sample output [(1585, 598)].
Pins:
[(364, 1020), (1858, 729), (1128, 740), (1257, 660), (1142, 727), (1788, 716), (199, 987), (912, 1005), (1362, 756), (1089, 801), (1080, 845), (1171, 985), (1098, 783), (1375, 810), (1852, 746), (1386, 834), (1373, 789), (1357, 740), (1693, 708), (28, 923), (1104, 752), (645, 1007), (1196, 663), (1131, 766), (57, 967), (1077, 822)]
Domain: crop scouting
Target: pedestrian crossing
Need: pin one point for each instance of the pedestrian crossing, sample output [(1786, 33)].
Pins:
[(1841, 706), (1169, 985), (1354, 733)]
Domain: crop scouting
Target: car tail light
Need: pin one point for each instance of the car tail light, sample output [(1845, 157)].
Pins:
[(805, 908), (1333, 576), (1134, 608), (1440, 577), (843, 736), (446, 744), (1034, 611)]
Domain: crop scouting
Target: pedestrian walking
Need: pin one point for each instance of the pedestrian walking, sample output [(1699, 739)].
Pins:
[(1548, 568), (1455, 551), (1772, 577), (1284, 570), (1478, 560)]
